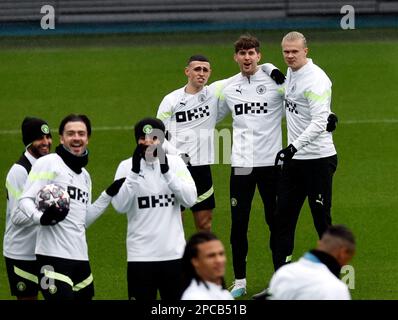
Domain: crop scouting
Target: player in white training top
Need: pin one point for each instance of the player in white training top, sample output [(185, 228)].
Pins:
[(310, 160), (189, 114), (19, 241), (61, 247), (316, 275), (256, 104), (156, 186), (204, 263)]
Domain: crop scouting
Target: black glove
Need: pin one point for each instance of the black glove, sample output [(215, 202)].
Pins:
[(186, 158), (138, 154), (52, 215), (285, 154), (332, 122), (277, 76), (164, 164), (113, 189)]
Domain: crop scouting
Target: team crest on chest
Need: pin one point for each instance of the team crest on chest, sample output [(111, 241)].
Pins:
[(261, 89), (202, 97), (293, 88)]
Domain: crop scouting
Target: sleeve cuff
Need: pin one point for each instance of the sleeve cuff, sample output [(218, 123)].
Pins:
[(37, 216), (105, 196), (296, 145), (133, 176), (168, 176)]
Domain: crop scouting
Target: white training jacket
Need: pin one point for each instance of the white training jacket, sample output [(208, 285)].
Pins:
[(19, 241), (308, 94), (199, 291), (152, 203), (307, 279), (67, 239), (256, 104), (190, 119)]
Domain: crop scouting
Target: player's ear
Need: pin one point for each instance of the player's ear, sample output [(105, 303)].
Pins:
[(235, 57), (195, 262), (186, 71), (259, 57)]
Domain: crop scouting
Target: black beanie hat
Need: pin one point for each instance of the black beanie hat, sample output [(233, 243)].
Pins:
[(146, 126), (33, 129)]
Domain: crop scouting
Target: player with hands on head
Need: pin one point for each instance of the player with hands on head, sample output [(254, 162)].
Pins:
[(156, 185)]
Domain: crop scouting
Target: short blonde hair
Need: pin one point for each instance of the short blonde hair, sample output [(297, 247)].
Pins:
[(295, 35)]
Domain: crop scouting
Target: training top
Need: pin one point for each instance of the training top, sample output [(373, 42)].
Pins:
[(19, 241), (307, 279), (307, 101), (256, 104), (67, 239), (190, 119), (152, 203), (199, 291)]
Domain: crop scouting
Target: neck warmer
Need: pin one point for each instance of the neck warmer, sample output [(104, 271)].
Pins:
[(76, 163), (328, 261)]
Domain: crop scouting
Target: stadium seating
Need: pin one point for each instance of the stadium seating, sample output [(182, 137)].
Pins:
[(80, 11)]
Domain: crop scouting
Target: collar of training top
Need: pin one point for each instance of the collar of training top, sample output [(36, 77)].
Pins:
[(76, 163), (328, 260)]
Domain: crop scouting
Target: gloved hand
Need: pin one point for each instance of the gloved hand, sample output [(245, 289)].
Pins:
[(277, 76), (186, 158), (114, 188), (138, 154), (285, 154), (164, 164), (52, 215), (332, 122)]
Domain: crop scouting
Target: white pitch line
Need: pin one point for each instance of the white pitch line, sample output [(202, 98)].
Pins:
[(124, 128), (368, 121)]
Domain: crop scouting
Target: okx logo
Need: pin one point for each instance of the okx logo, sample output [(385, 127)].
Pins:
[(156, 201), (197, 113), (250, 108)]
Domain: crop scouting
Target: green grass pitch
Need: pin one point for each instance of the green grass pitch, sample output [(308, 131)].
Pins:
[(117, 80)]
